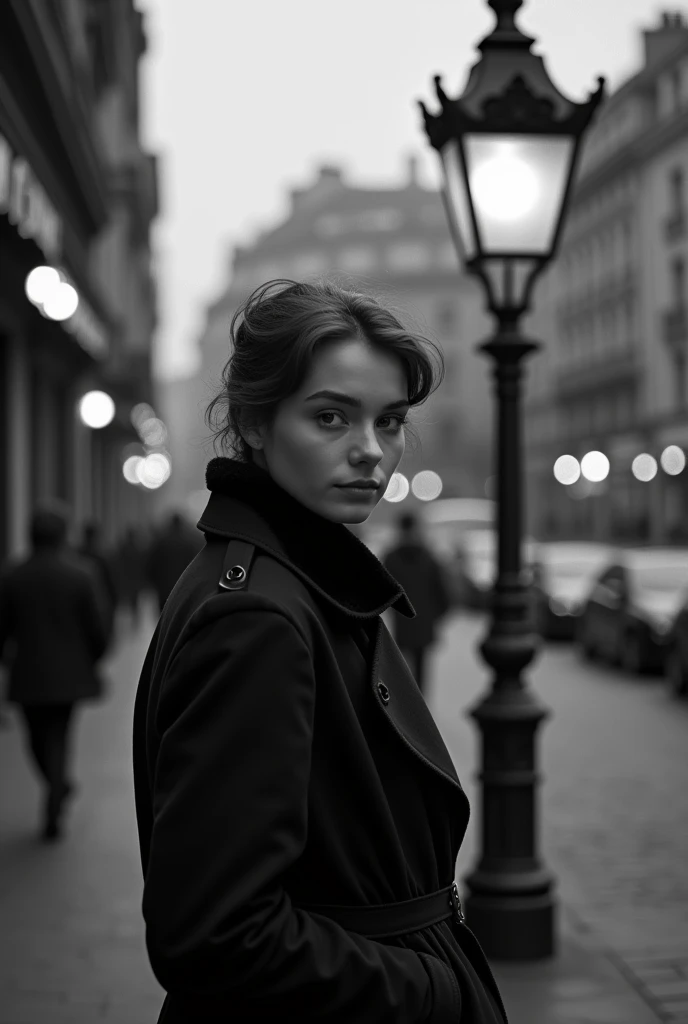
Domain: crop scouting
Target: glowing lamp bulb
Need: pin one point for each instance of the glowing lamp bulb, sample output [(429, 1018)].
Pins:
[(504, 187)]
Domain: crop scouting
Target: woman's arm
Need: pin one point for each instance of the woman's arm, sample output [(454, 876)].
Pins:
[(231, 779)]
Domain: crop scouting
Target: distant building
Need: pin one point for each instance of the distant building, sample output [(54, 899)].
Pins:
[(612, 313), (78, 194), (395, 243)]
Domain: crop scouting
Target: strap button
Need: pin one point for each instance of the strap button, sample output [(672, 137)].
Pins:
[(384, 692), (236, 574)]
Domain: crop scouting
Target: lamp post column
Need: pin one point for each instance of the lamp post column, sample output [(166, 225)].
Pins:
[(509, 901)]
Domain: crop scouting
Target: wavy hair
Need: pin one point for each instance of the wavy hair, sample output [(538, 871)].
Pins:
[(274, 335)]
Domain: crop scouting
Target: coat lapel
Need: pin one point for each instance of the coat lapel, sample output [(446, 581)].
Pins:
[(406, 709)]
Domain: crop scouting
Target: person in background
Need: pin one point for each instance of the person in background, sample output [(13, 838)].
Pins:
[(176, 544), (131, 571), (91, 549), (53, 632), (414, 566)]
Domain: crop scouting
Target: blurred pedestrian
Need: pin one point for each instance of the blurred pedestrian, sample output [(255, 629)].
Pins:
[(131, 571), (92, 550), (412, 563), (176, 544), (53, 631)]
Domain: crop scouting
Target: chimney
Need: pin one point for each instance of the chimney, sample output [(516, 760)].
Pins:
[(661, 41)]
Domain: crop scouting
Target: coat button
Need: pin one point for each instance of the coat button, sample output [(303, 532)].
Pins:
[(384, 692)]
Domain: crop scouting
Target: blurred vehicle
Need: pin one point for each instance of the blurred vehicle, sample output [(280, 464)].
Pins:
[(562, 575), (676, 652), (628, 615)]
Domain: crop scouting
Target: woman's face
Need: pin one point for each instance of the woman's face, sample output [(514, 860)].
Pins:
[(317, 445)]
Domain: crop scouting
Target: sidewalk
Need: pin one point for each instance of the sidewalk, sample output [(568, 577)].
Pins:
[(581, 985), (71, 935)]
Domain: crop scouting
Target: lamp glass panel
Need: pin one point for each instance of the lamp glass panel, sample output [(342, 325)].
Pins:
[(517, 186), (456, 200)]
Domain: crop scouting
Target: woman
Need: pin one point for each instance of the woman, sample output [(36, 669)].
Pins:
[(289, 777)]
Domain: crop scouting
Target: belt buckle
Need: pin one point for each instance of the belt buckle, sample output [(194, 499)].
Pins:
[(455, 901)]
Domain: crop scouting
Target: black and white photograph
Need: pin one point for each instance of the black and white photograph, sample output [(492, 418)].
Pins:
[(343, 512)]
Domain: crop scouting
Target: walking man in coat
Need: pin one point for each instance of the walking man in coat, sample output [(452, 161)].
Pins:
[(413, 565), (53, 631), (170, 552)]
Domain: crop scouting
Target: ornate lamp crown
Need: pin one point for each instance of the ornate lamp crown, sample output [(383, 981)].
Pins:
[(508, 90)]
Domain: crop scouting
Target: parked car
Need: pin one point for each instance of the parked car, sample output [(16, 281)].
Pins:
[(628, 615), (562, 574), (676, 652)]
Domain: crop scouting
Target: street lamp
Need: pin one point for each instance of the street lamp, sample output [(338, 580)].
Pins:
[(508, 149)]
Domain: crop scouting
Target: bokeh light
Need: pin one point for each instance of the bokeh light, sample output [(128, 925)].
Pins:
[(130, 469), (96, 409), (673, 460), (426, 485), (595, 466), (153, 432), (567, 470), (61, 302), (140, 413), (40, 282), (397, 488), (154, 470), (644, 467)]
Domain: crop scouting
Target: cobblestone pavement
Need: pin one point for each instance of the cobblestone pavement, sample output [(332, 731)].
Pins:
[(614, 802)]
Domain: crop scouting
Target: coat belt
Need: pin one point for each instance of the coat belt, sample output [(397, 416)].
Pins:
[(384, 920)]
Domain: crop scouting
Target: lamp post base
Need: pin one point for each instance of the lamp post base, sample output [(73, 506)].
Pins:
[(513, 928), (509, 899)]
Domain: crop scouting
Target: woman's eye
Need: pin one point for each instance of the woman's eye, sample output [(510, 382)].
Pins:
[(321, 414), (399, 421)]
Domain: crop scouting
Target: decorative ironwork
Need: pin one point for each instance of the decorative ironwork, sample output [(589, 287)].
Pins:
[(519, 107)]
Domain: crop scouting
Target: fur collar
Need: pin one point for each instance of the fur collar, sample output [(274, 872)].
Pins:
[(245, 501)]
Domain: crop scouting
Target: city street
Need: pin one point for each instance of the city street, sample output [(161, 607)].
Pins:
[(614, 822)]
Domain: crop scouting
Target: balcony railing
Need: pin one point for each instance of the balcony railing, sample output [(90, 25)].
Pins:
[(675, 322), (676, 226)]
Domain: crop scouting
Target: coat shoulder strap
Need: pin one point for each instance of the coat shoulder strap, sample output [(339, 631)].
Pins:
[(236, 565)]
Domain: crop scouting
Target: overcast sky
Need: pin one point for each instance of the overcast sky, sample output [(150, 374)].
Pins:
[(242, 99)]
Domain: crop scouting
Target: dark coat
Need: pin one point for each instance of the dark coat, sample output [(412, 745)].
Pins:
[(53, 628), (422, 578), (269, 772)]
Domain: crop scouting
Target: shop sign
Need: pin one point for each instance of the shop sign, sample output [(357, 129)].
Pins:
[(26, 203)]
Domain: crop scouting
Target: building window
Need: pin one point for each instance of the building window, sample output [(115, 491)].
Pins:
[(447, 257), (408, 257), (357, 259), (675, 223), (308, 264)]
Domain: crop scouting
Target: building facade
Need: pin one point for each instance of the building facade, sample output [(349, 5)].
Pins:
[(395, 244), (78, 194), (612, 312)]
